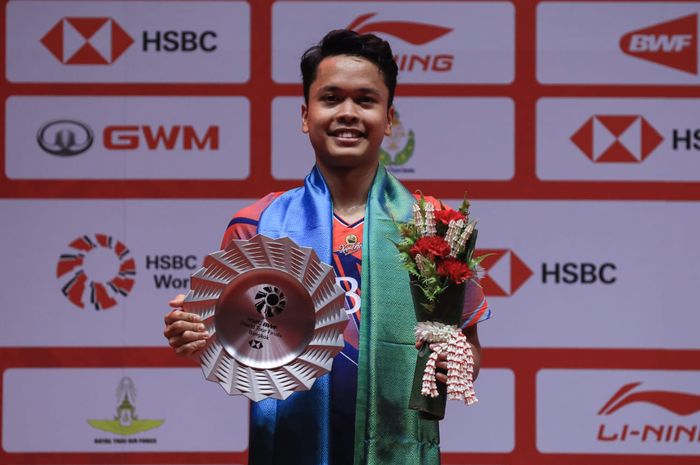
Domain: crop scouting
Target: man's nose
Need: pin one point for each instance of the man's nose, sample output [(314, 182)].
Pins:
[(347, 110)]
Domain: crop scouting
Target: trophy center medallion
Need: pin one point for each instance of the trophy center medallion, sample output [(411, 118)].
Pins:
[(265, 318)]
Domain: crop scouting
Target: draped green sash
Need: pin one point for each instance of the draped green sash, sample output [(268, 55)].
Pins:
[(295, 431)]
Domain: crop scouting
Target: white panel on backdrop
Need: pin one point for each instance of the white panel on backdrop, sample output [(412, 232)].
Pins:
[(166, 239), (617, 43), (590, 274), (432, 138), (127, 138), (433, 42), (119, 410), (162, 41), (618, 139), (487, 426), (618, 412)]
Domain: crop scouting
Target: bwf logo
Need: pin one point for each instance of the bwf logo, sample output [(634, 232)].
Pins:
[(87, 41), (672, 43)]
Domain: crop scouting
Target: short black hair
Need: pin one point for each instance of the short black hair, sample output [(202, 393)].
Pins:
[(347, 42)]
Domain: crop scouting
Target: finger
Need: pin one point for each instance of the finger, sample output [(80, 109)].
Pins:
[(181, 326), (441, 377), (178, 315), (177, 301), (186, 338), (191, 348)]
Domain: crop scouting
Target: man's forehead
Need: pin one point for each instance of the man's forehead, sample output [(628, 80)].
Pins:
[(339, 71)]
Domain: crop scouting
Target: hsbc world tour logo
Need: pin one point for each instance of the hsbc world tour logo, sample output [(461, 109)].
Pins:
[(87, 41), (617, 138), (97, 268)]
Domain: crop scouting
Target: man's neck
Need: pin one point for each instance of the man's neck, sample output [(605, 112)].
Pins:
[(349, 189)]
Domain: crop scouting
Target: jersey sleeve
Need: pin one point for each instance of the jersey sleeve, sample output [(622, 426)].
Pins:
[(476, 308), (244, 224)]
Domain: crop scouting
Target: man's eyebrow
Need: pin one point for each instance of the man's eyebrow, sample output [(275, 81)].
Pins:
[(363, 90)]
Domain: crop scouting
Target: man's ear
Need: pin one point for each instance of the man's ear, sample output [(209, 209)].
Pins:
[(389, 120), (304, 114)]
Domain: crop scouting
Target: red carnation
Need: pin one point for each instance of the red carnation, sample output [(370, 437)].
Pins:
[(447, 215), (431, 246), (454, 270)]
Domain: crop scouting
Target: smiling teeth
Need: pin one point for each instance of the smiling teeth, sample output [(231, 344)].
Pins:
[(347, 135)]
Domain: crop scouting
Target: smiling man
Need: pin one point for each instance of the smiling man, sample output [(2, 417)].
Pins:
[(346, 211)]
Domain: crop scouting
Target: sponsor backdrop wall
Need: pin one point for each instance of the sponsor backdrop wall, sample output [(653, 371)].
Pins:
[(133, 130)]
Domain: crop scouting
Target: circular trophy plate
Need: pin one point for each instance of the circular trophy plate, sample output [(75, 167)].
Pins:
[(275, 315)]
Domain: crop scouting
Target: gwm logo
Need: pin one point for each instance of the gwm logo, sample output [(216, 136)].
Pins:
[(125, 422), (682, 404), (87, 41), (505, 272), (416, 34), (617, 138), (99, 268), (672, 43)]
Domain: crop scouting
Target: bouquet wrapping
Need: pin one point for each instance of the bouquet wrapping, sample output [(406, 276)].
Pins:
[(437, 250)]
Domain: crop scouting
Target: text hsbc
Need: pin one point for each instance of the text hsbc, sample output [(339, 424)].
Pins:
[(661, 42), (130, 137), (579, 273), (174, 41)]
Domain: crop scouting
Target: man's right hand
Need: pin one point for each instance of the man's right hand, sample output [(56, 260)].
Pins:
[(184, 331)]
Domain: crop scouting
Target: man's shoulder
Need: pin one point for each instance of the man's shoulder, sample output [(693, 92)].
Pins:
[(244, 223)]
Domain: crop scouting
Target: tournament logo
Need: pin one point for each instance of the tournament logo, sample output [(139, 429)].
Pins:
[(397, 149), (65, 138), (125, 422), (270, 301), (87, 41), (673, 44), (681, 404), (505, 272), (97, 267), (617, 138)]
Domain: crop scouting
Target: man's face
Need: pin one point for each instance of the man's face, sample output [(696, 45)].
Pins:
[(347, 116)]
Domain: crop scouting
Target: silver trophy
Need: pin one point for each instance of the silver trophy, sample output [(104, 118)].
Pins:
[(275, 314)]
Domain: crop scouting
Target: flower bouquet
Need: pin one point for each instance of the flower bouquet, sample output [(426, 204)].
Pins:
[(437, 250)]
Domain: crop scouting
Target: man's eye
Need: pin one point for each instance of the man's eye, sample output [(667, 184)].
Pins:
[(329, 98), (366, 100)]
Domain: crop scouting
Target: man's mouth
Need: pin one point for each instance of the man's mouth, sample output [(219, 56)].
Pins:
[(346, 133)]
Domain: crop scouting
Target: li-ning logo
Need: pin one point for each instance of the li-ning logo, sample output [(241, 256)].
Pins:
[(501, 266), (64, 138), (270, 301), (672, 43), (416, 34), (408, 31), (106, 258), (125, 422), (87, 41), (682, 404), (617, 138)]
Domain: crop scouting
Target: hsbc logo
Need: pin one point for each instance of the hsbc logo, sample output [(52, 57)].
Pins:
[(617, 138), (505, 272), (87, 41), (101, 41), (413, 33), (681, 404), (673, 44)]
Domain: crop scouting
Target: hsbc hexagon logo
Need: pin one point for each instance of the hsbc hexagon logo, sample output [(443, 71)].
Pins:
[(98, 268), (87, 41), (617, 138), (505, 272)]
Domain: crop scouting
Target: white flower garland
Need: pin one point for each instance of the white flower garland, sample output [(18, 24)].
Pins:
[(460, 361)]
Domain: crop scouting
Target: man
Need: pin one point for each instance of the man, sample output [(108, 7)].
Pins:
[(346, 211)]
